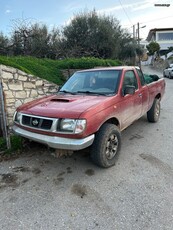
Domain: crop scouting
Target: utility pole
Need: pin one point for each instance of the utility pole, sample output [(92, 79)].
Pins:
[(134, 36), (138, 38), (138, 33)]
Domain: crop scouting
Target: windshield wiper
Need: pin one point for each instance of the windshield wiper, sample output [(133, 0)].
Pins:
[(65, 91), (91, 92)]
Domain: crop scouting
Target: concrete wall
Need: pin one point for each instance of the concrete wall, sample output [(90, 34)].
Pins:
[(19, 88)]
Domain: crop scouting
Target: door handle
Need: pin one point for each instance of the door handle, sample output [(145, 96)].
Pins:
[(140, 94)]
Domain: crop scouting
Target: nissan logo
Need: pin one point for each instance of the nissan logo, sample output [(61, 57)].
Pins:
[(35, 122)]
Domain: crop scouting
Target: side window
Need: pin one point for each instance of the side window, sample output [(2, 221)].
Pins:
[(141, 76), (130, 79)]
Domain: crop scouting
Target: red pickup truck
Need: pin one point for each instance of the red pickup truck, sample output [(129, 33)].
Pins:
[(91, 109)]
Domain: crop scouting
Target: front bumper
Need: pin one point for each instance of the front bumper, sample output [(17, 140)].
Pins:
[(54, 141)]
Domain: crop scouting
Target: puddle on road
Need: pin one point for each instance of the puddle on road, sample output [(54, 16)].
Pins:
[(79, 190), (61, 174), (58, 180), (21, 169), (69, 170), (12, 180), (157, 162), (8, 180), (89, 172), (136, 136), (35, 171)]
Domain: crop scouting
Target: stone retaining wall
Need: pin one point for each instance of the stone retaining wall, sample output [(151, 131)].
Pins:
[(20, 88)]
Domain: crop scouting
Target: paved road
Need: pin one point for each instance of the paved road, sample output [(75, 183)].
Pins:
[(39, 191)]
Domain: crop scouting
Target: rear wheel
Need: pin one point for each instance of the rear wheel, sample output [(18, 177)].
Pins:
[(154, 113), (106, 147)]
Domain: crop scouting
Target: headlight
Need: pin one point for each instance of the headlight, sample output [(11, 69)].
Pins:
[(17, 117), (80, 126), (72, 125)]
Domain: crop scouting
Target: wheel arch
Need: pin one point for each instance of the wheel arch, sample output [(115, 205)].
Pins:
[(158, 96), (112, 120)]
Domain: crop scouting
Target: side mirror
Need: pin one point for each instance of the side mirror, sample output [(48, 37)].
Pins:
[(129, 89)]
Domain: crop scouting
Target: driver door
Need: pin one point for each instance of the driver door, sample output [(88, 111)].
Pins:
[(132, 104)]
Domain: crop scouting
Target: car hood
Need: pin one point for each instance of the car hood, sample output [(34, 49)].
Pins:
[(63, 106)]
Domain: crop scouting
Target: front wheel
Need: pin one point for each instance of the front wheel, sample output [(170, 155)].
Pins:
[(106, 146), (154, 113)]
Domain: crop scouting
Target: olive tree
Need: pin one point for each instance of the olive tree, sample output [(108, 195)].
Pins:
[(4, 44), (90, 34)]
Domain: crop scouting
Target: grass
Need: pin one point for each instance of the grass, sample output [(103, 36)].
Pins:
[(16, 145), (43, 68), (51, 69)]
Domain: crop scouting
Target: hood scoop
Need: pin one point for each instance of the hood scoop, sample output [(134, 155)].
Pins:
[(60, 100)]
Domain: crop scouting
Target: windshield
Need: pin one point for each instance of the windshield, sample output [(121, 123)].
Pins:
[(101, 82)]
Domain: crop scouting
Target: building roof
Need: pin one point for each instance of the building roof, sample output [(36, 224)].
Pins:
[(153, 31)]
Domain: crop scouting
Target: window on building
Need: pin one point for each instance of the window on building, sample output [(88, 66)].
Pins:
[(165, 36)]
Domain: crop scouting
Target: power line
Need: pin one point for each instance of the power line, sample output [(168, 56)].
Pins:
[(158, 19), (125, 12)]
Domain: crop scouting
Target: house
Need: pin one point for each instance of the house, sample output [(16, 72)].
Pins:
[(163, 36)]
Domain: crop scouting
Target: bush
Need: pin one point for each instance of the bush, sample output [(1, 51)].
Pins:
[(86, 63)]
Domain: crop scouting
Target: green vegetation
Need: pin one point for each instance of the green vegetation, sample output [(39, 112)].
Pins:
[(51, 69), (43, 68), (86, 63), (16, 144), (153, 47), (88, 34)]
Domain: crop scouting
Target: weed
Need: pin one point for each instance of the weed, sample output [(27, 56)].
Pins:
[(16, 145)]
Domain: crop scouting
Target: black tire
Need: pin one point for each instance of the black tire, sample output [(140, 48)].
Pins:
[(154, 113), (106, 146), (170, 76)]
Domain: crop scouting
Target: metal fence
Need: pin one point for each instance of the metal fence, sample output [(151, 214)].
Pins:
[(3, 120), (1, 112)]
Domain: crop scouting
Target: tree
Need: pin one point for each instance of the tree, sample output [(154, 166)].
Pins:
[(20, 38), (153, 47), (90, 34), (34, 39), (4, 44), (55, 44), (40, 39)]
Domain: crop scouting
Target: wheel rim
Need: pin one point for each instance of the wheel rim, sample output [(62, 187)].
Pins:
[(157, 110), (112, 146)]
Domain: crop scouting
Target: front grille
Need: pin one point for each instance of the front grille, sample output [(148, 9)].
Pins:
[(37, 122), (46, 124)]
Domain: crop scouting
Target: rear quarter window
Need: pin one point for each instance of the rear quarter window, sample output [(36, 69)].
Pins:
[(141, 77)]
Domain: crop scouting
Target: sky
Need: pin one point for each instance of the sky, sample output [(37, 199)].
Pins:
[(57, 13)]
